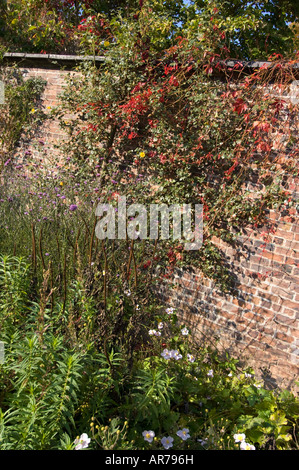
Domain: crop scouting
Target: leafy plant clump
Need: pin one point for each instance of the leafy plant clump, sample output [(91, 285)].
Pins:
[(171, 393), (22, 114)]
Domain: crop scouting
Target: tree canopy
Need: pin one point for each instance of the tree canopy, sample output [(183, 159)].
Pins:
[(253, 29)]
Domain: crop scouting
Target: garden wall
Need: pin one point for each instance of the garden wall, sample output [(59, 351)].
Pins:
[(54, 70), (258, 322)]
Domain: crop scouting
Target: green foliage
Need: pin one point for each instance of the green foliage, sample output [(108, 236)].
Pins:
[(32, 27), (112, 436), (14, 287), (250, 25), (45, 385), (21, 114), (52, 26), (53, 390), (154, 389)]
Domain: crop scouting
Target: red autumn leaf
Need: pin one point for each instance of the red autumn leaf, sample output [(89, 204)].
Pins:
[(278, 104), (132, 135), (173, 81), (208, 69), (263, 147), (240, 106), (261, 126)]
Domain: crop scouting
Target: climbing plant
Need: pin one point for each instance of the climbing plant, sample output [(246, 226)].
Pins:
[(194, 127), (21, 112)]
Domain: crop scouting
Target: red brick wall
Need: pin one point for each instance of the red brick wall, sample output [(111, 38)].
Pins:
[(50, 133), (259, 322)]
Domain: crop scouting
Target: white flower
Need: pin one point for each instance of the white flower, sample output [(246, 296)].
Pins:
[(160, 325), (166, 354), (239, 437), (169, 310), (172, 354), (210, 373), (176, 355), (190, 357), (82, 442), (183, 433), (148, 435), (154, 333), (127, 292), (230, 374), (247, 375), (167, 442), (185, 331), (245, 446)]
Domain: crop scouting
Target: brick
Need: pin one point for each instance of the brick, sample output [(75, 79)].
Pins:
[(282, 292), (284, 337), (253, 316), (289, 312), (291, 305), (253, 334), (291, 245), (276, 307), (290, 236), (284, 251), (280, 318), (273, 257), (265, 303)]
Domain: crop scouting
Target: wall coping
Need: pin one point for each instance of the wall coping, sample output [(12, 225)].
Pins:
[(55, 61)]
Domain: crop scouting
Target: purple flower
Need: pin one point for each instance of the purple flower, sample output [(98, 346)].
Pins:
[(73, 207)]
